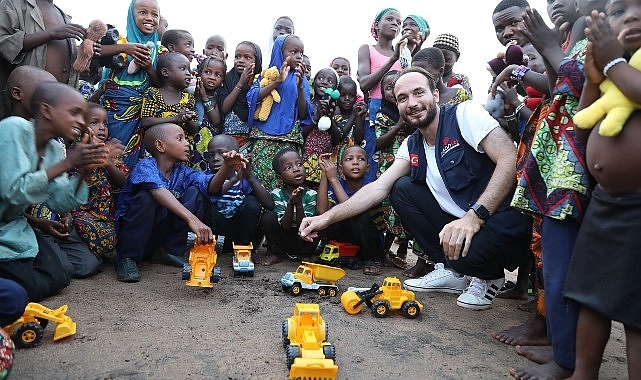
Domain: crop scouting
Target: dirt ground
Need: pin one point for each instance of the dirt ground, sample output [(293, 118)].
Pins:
[(160, 328)]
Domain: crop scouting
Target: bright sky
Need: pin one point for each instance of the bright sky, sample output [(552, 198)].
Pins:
[(328, 29)]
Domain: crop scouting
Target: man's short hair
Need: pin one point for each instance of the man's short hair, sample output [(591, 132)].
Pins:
[(505, 4), (415, 69)]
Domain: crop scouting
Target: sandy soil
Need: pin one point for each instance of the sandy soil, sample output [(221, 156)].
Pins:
[(160, 328)]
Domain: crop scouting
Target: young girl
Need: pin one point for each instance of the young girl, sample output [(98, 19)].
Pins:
[(170, 103), (350, 117), (448, 43), (123, 94), (433, 61), (390, 133), (232, 96), (319, 141), (94, 220), (211, 73), (282, 127), (373, 62)]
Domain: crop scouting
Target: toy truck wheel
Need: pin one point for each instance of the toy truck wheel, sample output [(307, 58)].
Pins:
[(410, 309), (27, 335), (215, 275), (285, 330), (322, 291), (296, 289), (292, 353), (380, 308), (329, 351), (331, 292)]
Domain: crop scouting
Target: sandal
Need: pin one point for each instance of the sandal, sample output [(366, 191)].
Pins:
[(373, 269), (399, 262)]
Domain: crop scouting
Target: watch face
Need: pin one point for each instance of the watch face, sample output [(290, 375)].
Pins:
[(481, 211)]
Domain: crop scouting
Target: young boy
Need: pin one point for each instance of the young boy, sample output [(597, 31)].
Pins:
[(362, 230), (33, 170), (292, 203), (162, 200), (235, 207)]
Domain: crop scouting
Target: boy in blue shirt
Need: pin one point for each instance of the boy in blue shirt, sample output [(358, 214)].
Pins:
[(235, 209), (163, 199)]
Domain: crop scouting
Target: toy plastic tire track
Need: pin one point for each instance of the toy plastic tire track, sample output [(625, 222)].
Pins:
[(27, 335), (285, 330), (292, 353), (380, 309), (329, 351), (411, 310)]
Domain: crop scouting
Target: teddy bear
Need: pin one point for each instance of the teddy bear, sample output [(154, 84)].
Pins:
[(96, 30), (513, 55), (268, 76), (612, 104)]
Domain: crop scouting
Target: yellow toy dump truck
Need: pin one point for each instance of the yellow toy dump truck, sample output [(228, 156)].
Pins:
[(318, 277), (309, 355), (201, 270), (27, 331), (381, 299), (242, 262)]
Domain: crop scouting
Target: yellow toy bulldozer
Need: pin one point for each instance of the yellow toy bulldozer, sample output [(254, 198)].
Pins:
[(27, 331)]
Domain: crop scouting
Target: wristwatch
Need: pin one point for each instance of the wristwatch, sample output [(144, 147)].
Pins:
[(480, 211)]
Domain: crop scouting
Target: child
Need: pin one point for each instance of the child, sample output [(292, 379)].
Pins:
[(235, 208), (373, 62), (433, 61), (179, 41), (94, 220), (342, 66), (448, 43), (232, 96), (362, 229), (162, 200), (390, 133), (123, 93), (415, 30), (283, 25), (319, 141), (602, 271), (211, 73), (34, 171), (216, 46), (282, 127), (292, 203), (350, 117), (170, 103)]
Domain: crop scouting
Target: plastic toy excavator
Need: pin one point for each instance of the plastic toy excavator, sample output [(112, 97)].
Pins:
[(381, 299), (309, 355), (201, 270), (27, 331)]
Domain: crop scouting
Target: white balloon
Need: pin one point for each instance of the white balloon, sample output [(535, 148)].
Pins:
[(324, 123)]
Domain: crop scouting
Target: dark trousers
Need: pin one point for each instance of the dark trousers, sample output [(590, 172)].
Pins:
[(557, 243), (13, 300), (148, 226), (281, 241), (240, 228), (489, 254), (42, 276), (362, 231), (78, 258)]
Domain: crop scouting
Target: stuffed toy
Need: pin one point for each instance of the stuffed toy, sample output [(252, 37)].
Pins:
[(96, 30), (513, 55), (612, 104), (133, 66), (262, 111)]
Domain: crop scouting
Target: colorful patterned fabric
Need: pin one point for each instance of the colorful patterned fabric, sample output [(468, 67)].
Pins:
[(461, 79), (316, 143), (265, 147), (554, 180), (6, 354), (94, 221)]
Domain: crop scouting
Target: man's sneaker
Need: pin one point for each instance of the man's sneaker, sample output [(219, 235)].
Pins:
[(480, 294), (127, 270), (438, 280)]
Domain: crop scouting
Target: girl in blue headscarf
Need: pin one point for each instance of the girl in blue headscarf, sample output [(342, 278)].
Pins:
[(282, 127), (123, 93)]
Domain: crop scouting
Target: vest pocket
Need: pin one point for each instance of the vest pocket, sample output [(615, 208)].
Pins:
[(456, 174)]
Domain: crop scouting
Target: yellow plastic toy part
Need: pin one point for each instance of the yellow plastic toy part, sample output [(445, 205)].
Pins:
[(381, 299), (264, 108), (27, 331), (202, 259)]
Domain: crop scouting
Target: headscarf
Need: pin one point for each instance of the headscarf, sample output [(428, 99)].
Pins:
[(283, 115), (423, 26), (232, 78), (377, 19), (134, 35), (447, 41)]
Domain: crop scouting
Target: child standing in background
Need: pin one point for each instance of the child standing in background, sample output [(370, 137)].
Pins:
[(351, 116), (373, 62), (123, 94), (363, 229), (216, 46), (319, 141), (282, 127), (170, 103), (232, 96), (449, 45), (211, 73), (292, 203), (95, 220)]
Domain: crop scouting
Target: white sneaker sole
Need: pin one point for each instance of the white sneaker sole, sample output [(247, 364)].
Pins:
[(473, 306), (440, 290)]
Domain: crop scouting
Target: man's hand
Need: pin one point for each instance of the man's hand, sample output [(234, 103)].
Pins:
[(309, 227), (456, 237)]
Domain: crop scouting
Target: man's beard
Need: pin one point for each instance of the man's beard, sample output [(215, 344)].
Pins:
[(425, 120)]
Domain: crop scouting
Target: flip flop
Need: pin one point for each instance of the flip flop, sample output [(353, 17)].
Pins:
[(399, 262)]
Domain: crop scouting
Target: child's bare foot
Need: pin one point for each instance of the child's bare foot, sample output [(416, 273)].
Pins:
[(514, 294), (548, 371), (537, 354), (271, 260), (420, 269), (531, 333)]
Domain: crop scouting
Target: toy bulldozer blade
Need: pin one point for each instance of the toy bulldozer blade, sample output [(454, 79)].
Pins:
[(352, 301), (313, 369), (65, 326)]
